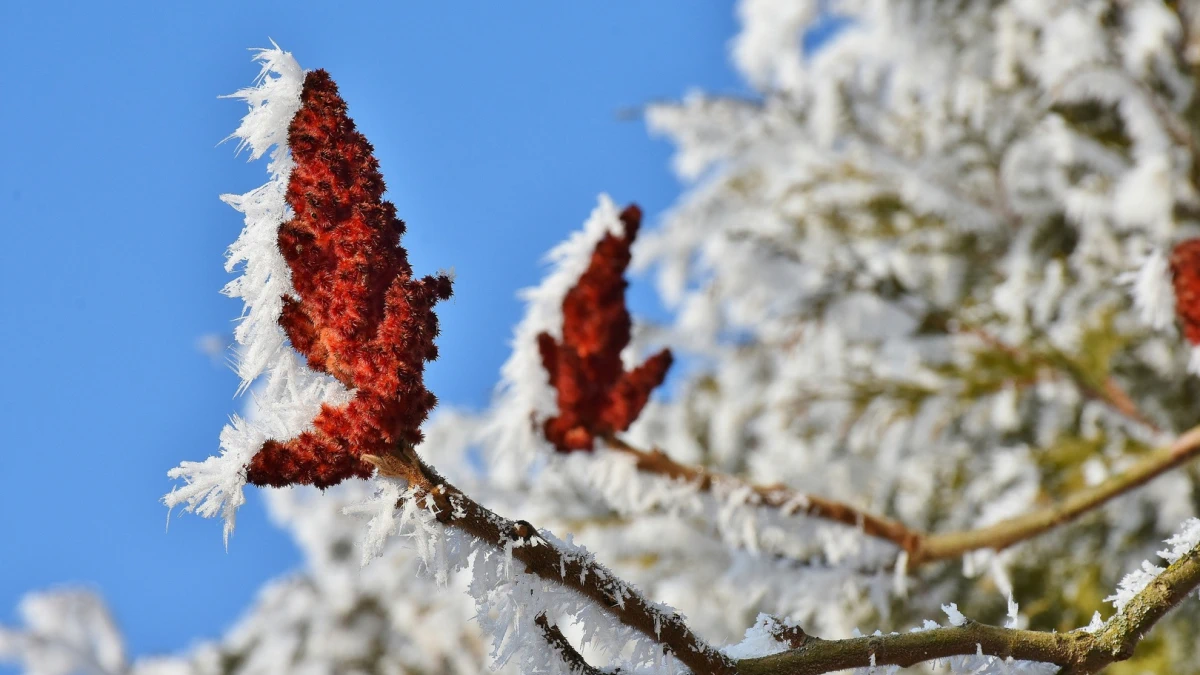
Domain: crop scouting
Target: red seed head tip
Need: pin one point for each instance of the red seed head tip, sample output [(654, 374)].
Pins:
[(631, 218), (596, 396)]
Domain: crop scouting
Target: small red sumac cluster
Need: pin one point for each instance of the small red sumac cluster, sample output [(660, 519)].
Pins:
[(1185, 276), (358, 314), (596, 396)]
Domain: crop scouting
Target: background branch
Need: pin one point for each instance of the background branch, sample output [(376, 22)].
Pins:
[(924, 547)]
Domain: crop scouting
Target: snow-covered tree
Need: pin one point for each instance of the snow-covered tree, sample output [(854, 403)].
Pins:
[(935, 292)]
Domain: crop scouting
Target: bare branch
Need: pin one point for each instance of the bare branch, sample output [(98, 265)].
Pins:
[(1018, 529), (774, 496), (923, 547)]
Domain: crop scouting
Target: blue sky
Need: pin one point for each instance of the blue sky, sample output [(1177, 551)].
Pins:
[(496, 126)]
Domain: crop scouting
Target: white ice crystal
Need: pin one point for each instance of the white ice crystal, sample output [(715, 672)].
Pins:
[(760, 639), (956, 617), (292, 393)]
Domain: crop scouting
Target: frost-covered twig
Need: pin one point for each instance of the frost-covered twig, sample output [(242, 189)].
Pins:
[(574, 660), (1020, 528), (1078, 652), (773, 496), (922, 547), (1110, 392), (579, 573)]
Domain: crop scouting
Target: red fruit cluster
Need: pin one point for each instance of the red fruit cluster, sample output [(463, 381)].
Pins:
[(358, 314), (1185, 275), (596, 396)]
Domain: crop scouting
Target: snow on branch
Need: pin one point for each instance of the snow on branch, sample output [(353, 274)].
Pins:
[(558, 579), (971, 647), (968, 646), (918, 547), (1135, 582)]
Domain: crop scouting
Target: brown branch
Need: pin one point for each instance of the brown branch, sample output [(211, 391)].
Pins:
[(1018, 529), (574, 660), (774, 496), (576, 572), (1078, 652), (924, 547)]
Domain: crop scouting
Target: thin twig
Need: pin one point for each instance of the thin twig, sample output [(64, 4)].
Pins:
[(920, 546), (574, 660), (774, 496), (1110, 393), (1023, 527)]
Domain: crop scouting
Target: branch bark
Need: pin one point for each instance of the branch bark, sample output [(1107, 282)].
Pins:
[(1020, 528), (923, 547), (574, 660), (774, 496)]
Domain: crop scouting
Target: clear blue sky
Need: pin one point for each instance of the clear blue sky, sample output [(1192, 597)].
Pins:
[(496, 127)]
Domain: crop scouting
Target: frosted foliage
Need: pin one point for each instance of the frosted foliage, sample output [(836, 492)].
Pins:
[(767, 51), (880, 260), (291, 394), (885, 251), (65, 632), (1152, 292)]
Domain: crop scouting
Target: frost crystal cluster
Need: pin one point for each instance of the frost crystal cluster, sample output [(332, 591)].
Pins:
[(935, 316)]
